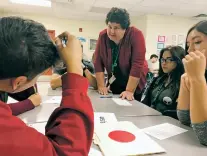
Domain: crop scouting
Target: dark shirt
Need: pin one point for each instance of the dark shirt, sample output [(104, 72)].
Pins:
[(131, 61), (160, 96)]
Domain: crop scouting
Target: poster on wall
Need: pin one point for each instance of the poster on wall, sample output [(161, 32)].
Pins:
[(161, 39), (82, 39), (92, 44), (160, 46)]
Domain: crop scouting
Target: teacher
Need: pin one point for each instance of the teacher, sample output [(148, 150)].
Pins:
[(121, 51)]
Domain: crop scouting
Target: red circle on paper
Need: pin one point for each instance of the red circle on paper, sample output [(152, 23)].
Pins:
[(121, 136)]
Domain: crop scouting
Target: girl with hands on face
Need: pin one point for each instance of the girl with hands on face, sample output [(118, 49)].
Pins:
[(192, 101)]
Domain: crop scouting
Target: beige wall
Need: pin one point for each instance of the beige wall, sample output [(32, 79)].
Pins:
[(164, 25), (150, 25)]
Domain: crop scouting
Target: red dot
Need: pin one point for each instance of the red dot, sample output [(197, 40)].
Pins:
[(122, 136)]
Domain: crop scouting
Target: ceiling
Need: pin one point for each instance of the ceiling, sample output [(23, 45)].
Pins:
[(97, 9)]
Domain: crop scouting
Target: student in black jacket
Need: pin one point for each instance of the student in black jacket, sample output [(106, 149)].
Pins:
[(162, 92)]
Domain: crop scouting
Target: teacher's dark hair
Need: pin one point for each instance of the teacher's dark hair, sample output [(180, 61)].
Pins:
[(25, 48), (120, 16)]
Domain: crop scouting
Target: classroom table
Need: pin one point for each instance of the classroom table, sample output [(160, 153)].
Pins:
[(179, 145), (108, 105), (141, 115)]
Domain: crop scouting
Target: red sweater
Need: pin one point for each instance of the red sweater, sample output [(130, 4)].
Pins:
[(131, 56), (69, 130)]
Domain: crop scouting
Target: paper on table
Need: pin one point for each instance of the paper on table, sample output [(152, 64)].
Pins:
[(11, 100), (40, 127), (54, 99), (94, 152), (136, 142), (121, 102), (101, 118), (164, 131)]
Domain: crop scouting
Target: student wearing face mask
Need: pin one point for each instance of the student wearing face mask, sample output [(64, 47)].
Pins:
[(192, 101), (162, 93), (121, 51)]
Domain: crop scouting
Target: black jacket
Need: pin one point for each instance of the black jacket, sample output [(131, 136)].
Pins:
[(160, 97)]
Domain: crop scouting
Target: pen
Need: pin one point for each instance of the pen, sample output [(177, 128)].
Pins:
[(106, 97)]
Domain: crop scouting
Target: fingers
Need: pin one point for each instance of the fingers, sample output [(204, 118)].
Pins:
[(64, 35), (58, 43)]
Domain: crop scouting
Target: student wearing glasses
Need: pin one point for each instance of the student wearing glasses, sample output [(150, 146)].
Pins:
[(162, 93)]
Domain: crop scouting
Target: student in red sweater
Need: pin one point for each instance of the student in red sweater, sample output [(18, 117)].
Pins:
[(121, 51), (28, 100), (26, 52)]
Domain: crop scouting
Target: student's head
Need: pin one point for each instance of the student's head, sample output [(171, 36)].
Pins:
[(26, 51), (171, 61), (197, 38), (117, 22), (153, 58)]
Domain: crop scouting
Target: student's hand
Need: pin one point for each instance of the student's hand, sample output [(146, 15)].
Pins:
[(36, 99), (103, 90), (185, 83), (71, 54), (195, 65), (127, 95)]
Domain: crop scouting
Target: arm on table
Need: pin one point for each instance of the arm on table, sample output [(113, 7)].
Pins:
[(183, 106), (99, 69), (138, 59), (69, 130), (198, 108), (91, 78), (21, 107), (55, 81)]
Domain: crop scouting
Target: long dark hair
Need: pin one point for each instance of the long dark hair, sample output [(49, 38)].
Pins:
[(178, 53), (200, 27)]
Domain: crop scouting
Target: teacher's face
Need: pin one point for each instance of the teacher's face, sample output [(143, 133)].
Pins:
[(115, 32)]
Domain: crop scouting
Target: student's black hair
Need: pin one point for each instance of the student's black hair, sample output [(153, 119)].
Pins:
[(178, 53), (200, 27), (120, 16), (153, 55), (25, 48)]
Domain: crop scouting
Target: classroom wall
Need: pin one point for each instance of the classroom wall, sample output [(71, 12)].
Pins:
[(91, 29), (150, 25), (164, 25)]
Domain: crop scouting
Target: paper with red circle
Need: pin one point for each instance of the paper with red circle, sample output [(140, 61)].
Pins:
[(121, 136)]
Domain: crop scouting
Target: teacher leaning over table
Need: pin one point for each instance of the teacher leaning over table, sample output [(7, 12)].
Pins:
[(121, 51)]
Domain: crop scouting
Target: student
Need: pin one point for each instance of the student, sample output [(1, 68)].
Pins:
[(28, 98), (121, 51), (153, 64), (162, 92), (60, 69), (192, 101), (69, 130)]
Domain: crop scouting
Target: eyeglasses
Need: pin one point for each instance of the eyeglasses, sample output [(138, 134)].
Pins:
[(167, 60)]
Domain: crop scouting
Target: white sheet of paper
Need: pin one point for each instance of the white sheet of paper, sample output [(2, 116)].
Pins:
[(94, 152), (103, 118), (54, 99), (164, 131), (40, 127), (121, 102), (11, 100), (141, 145)]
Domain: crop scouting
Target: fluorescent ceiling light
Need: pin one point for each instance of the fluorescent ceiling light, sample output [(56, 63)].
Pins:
[(44, 3)]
